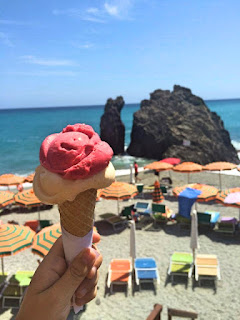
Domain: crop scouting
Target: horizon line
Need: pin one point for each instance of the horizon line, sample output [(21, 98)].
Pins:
[(93, 105)]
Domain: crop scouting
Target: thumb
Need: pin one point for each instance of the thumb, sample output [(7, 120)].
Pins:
[(75, 274)]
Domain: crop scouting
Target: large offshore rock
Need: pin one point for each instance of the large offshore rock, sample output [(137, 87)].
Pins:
[(179, 124), (112, 129)]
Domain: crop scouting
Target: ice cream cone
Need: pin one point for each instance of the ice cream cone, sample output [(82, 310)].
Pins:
[(77, 216)]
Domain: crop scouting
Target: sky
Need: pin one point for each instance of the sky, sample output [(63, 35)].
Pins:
[(67, 53)]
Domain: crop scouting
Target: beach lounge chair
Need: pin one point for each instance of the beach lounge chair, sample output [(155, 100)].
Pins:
[(33, 224), (3, 282), (207, 268), (14, 290), (160, 213), (127, 212), (156, 312), (227, 226), (45, 223), (181, 314), (146, 271), (181, 264), (119, 273), (118, 223)]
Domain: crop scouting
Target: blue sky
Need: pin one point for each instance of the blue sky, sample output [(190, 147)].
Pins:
[(59, 53)]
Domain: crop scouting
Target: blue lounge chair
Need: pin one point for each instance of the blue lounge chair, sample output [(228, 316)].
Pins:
[(146, 271)]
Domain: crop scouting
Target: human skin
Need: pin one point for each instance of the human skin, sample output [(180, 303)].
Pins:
[(53, 285)]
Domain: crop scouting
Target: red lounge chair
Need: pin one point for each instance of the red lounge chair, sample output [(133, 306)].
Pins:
[(119, 273), (33, 224)]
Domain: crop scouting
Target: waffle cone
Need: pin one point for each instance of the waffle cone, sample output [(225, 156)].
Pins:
[(77, 215)]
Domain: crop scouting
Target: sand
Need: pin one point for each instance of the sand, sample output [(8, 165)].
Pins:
[(160, 243)]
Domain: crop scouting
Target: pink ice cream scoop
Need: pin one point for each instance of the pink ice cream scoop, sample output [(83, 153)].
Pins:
[(75, 153)]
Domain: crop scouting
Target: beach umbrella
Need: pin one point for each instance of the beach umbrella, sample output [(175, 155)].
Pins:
[(13, 239), (159, 166), (132, 240), (10, 179), (157, 193), (6, 198), (194, 245), (229, 198), (29, 178), (219, 166), (208, 192), (119, 191), (188, 167), (172, 161), (28, 198), (44, 240)]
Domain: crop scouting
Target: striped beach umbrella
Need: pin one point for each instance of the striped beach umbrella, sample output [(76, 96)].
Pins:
[(44, 240), (219, 166), (6, 198), (157, 193), (188, 167), (159, 166), (29, 178), (208, 193), (27, 198), (229, 198), (13, 239), (119, 191), (10, 179)]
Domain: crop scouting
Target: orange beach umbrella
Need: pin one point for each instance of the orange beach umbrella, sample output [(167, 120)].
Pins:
[(6, 198), (44, 240), (119, 191), (10, 179), (157, 193), (27, 198), (159, 166), (208, 192), (29, 178), (188, 167), (219, 166), (13, 239)]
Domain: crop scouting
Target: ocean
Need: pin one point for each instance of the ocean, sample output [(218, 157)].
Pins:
[(23, 130)]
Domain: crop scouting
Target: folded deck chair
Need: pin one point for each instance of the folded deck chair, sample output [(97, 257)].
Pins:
[(15, 288), (181, 264), (207, 268), (146, 271), (119, 273)]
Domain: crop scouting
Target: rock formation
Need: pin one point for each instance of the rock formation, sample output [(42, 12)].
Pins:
[(112, 129), (179, 124)]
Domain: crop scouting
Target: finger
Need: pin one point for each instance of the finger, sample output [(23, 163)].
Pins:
[(96, 237), (75, 274), (96, 266), (87, 285), (87, 298)]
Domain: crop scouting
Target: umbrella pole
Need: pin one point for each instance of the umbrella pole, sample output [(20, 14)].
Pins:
[(239, 214), (2, 266), (39, 213), (188, 177), (118, 209), (170, 174), (220, 180)]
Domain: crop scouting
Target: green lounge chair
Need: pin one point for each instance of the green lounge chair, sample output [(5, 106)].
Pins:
[(127, 212), (181, 264), (15, 288), (204, 219)]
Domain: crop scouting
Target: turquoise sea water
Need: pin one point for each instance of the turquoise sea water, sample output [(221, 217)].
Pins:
[(22, 130)]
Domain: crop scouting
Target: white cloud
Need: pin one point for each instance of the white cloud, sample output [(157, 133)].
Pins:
[(42, 73), (47, 62), (111, 10), (90, 14), (4, 39), (14, 22), (81, 45), (93, 10)]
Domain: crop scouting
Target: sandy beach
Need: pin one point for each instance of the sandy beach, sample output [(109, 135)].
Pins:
[(160, 243)]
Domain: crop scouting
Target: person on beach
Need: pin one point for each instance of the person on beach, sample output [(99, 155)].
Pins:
[(54, 284), (136, 171)]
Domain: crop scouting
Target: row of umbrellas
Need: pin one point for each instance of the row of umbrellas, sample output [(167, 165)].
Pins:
[(189, 167), (10, 179)]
